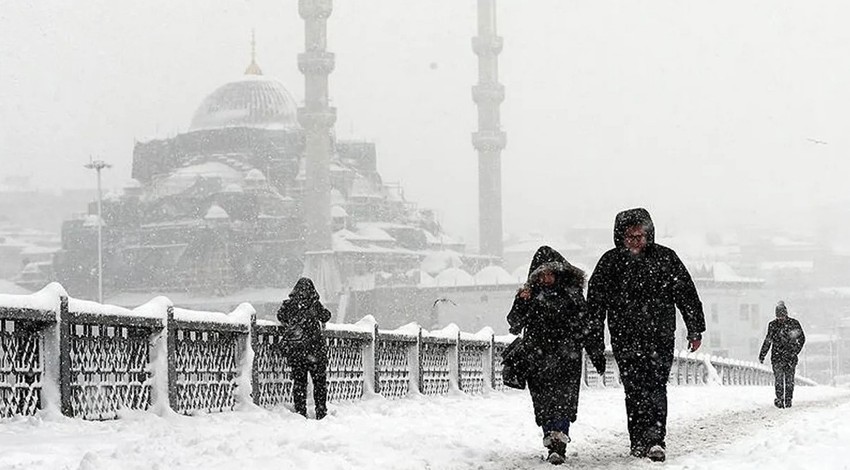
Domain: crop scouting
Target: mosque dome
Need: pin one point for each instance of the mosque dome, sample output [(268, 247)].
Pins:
[(252, 101)]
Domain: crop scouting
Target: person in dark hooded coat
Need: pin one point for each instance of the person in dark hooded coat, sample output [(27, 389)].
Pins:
[(304, 315), (637, 286), (550, 309), (785, 335)]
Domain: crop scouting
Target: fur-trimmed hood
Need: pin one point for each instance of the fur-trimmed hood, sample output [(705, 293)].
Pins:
[(546, 258), (629, 218)]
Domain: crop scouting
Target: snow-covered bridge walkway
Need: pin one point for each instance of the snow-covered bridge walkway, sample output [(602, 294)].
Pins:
[(709, 427)]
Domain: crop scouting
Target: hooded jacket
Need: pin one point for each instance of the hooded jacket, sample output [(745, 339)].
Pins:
[(305, 315), (639, 294), (551, 312), (552, 319)]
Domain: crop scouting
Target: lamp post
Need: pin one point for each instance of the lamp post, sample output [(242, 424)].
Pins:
[(99, 165)]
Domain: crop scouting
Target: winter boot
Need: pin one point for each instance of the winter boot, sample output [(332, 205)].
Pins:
[(656, 453), (556, 442), (779, 403), (638, 451)]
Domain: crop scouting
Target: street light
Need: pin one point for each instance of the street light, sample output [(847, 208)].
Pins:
[(99, 165)]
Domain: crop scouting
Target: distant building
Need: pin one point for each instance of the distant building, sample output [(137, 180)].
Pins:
[(220, 208), (737, 310)]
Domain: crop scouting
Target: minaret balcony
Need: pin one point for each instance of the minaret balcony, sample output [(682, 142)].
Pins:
[(312, 119), (489, 141), (316, 62), (488, 93), (315, 9), (487, 45)]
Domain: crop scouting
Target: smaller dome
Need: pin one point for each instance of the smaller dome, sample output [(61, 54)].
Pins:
[(454, 277), (494, 275), (216, 212), (255, 175)]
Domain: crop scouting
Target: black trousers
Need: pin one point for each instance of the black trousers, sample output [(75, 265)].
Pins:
[(783, 374), (317, 368), (644, 376)]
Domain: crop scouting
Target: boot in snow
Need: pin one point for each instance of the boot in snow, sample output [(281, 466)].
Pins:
[(656, 453), (556, 442)]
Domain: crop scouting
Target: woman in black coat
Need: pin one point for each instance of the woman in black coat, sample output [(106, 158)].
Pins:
[(304, 316), (551, 309)]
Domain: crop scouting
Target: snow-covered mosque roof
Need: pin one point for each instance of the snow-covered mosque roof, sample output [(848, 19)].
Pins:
[(437, 261), (494, 275), (454, 277), (252, 101)]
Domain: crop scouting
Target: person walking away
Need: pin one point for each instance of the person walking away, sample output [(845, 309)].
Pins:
[(785, 335), (637, 286), (304, 316), (550, 308)]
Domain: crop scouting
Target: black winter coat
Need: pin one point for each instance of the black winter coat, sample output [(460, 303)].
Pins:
[(552, 319), (787, 339), (306, 315), (638, 294)]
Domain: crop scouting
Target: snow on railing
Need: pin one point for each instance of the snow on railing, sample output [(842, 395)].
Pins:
[(84, 359)]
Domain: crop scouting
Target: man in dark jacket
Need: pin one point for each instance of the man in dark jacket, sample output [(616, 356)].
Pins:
[(304, 316), (637, 286), (786, 337)]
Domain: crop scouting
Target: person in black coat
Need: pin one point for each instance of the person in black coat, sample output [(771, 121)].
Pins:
[(637, 286), (304, 316), (550, 309), (786, 336)]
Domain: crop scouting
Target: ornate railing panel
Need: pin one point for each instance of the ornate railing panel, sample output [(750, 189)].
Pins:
[(498, 349), (345, 364), (435, 373), (393, 365), (206, 367), (21, 367), (110, 364), (273, 374), (472, 357)]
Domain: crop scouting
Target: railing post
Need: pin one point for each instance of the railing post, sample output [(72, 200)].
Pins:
[(371, 381), (65, 358), (413, 361), (454, 362), (171, 355), (584, 359)]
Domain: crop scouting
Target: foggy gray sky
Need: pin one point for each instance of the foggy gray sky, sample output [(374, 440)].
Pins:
[(700, 112)]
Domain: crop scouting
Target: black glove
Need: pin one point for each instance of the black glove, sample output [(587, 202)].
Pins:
[(598, 361)]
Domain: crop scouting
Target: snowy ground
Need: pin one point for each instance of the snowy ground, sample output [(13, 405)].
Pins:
[(709, 428)]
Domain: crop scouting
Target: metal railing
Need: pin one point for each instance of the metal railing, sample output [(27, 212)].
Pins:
[(92, 361)]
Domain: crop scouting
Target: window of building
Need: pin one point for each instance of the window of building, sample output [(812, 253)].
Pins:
[(754, 346), (714, 340), (744, 312), (755, 317)]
